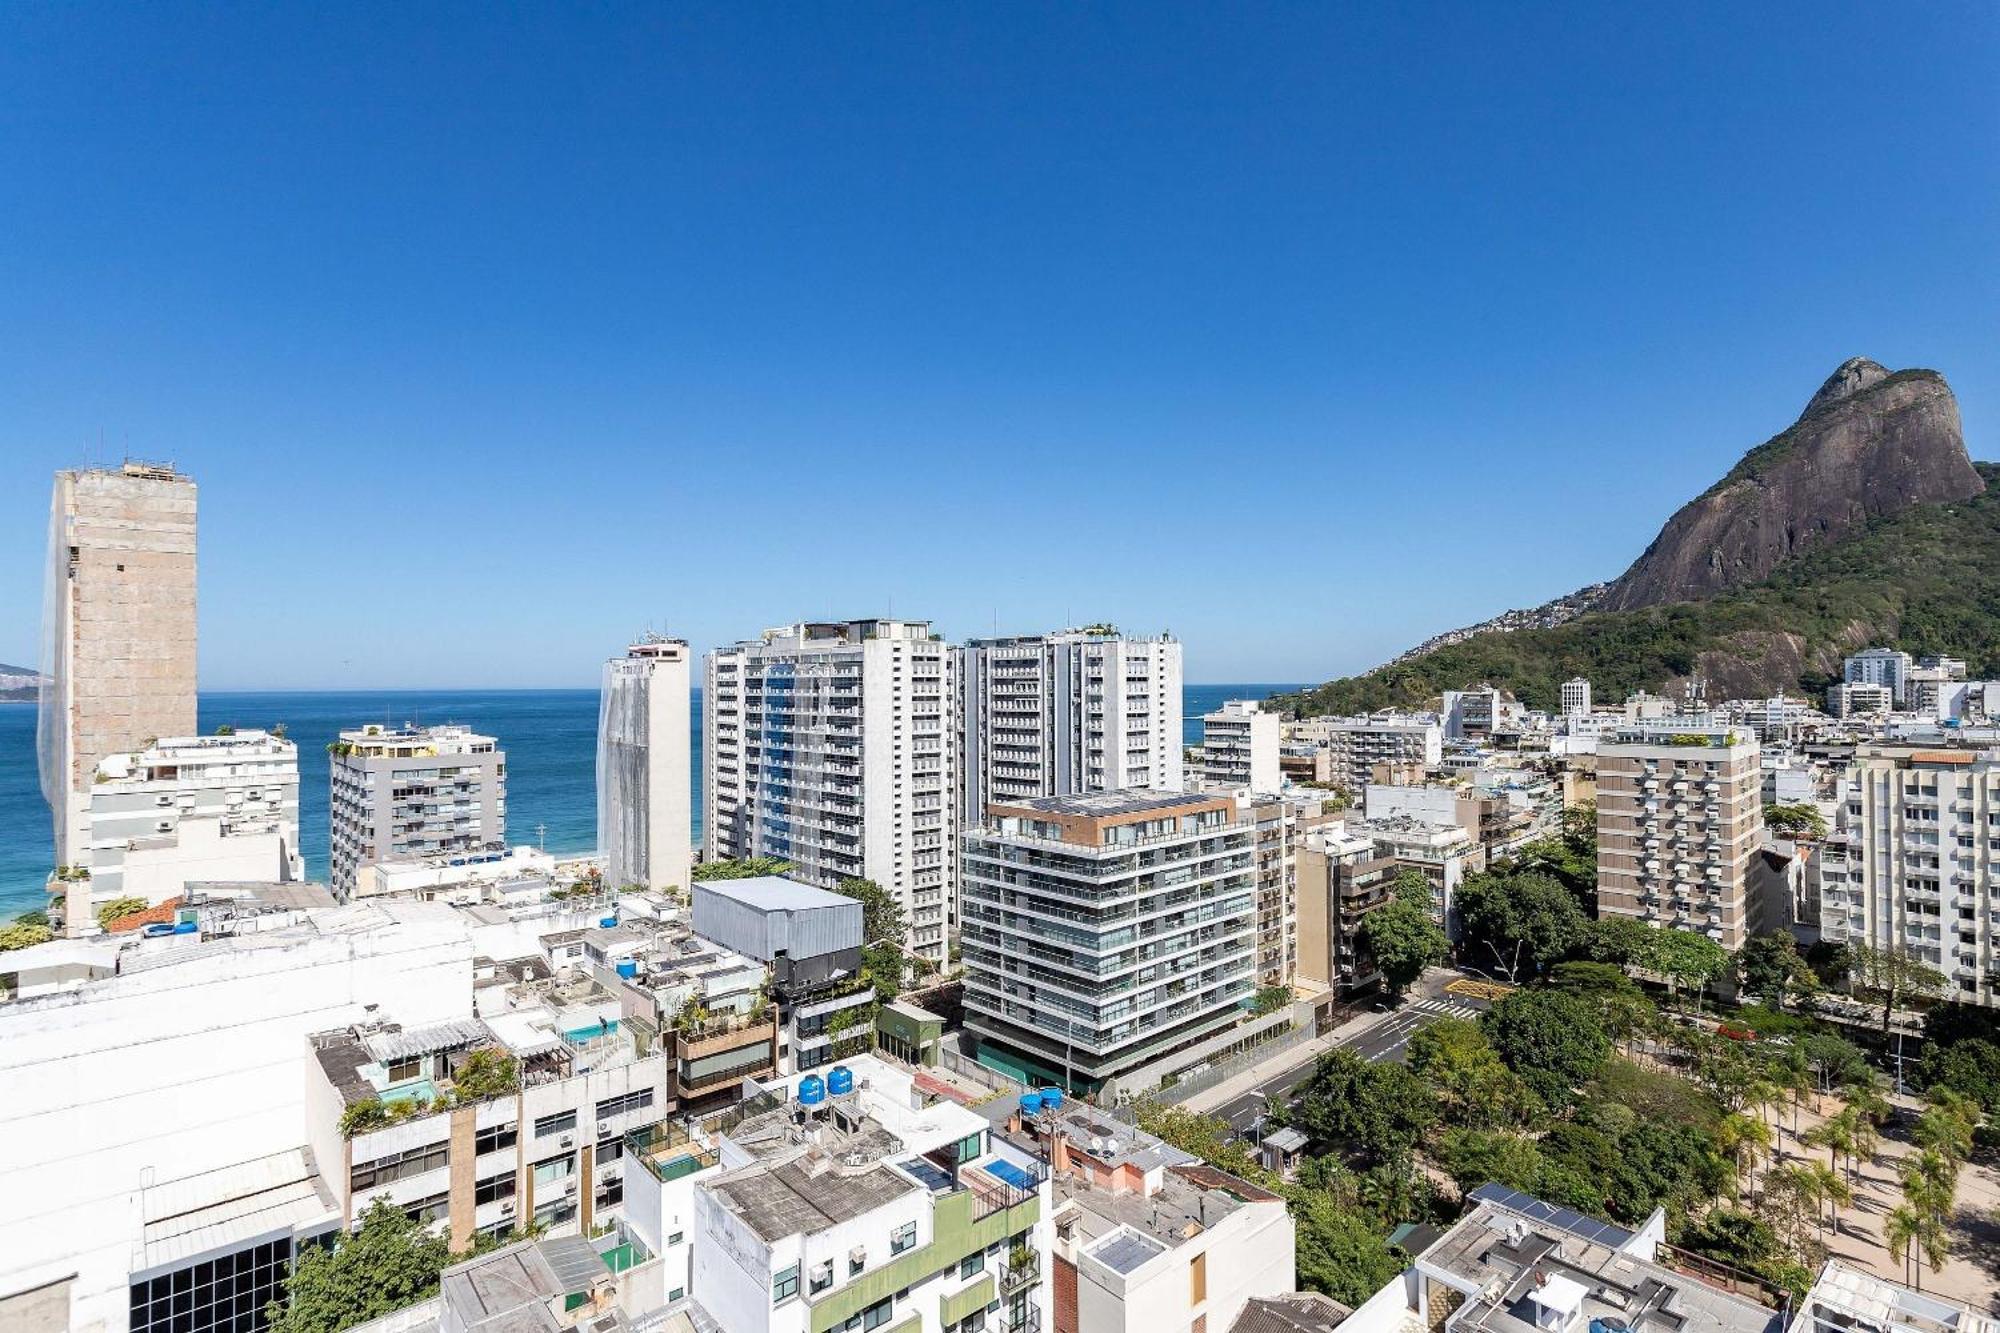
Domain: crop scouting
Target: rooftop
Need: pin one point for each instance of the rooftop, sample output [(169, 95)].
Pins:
[(1126, 1230), (809, 1194), (226, 1207), (773, 893), (1108, 804)]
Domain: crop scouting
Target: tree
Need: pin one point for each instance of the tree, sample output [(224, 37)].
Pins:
[(1768, 965), (23, 935), (749, 867), (1338, 1251), (1270, 999), (1570, 857), (1893, 973), (1519, 919), (1205, 1136), (881, 914), (1835, 1062), (1970, 1068), (1473, 1156), (882, 966), (1403, 940), (1474, 1085), (486, 1071), (106, 913), (1684, 958), (1795, 821), (1618, 939), (1553, 1039), (391, 1262), (1379, 1111)]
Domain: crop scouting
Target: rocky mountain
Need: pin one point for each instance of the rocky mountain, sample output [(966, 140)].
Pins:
[(18, 684), (1869, 444), (1548, 615), (1864, 522)]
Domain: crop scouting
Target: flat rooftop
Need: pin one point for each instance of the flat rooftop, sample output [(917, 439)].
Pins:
[(773, 893), (1125, 1230), (808, 1195), (1107, 804)]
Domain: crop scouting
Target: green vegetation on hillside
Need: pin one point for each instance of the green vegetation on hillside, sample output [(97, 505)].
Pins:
[(1927, 580)]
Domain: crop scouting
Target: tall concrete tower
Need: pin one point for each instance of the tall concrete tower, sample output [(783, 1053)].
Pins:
[(645, 774), (118, 633)]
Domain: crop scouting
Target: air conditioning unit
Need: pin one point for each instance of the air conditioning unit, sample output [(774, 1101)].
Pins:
[(163, 826), (603, 1128), (568, 1141), (569, 1185), (164, 798), (506, 1207)]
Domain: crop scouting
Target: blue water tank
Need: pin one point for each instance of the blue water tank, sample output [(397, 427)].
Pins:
[(1051, 1098), (812, 1090), (840, 1081), (186, 927), (1031, 1102), (628, 968), (157, 929), (607, 921)]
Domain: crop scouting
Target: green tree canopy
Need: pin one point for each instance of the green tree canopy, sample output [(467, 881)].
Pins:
[(1518, 923), (24, 935), (749, 867), (1378, 1111), (389, 1263), (1970, 1068), (881, 914), (1403, 940), (1769, 966), (1800, 820), (1555, 1040), (1894, 974), (1339, 1251), (1476, 1088)]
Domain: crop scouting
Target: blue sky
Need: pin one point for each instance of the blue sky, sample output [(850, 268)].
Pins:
[(1301, 331)]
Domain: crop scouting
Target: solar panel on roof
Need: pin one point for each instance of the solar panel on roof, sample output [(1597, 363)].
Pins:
[(1576, 1224)]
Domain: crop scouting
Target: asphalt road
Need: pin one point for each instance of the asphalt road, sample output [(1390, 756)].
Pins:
[(1388, 1039)]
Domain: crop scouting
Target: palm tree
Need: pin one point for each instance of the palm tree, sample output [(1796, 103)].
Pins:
[(1866, 1100), (1966, 1110), (1899, 1233), (1864, 1139), (1835, 1134), (1743, 1139), (1835, 1192), (1930, 1181), (1943, 1131)]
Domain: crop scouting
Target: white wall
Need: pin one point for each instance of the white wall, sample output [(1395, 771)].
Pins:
[(167, 1072)]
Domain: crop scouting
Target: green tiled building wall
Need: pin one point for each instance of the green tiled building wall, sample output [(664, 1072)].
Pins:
[(954, 1235)]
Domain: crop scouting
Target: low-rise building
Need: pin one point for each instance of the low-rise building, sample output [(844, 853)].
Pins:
[(811, 940), (1355, 745), (412, 792), (1856, 699), (1342, 877)]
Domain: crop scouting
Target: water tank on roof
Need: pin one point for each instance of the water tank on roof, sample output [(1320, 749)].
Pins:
[(607, 921), (812, 1090), (840, 1081), (186, 927), (157, 929), (1031, 1102), (1052, 1099), (628, 968)]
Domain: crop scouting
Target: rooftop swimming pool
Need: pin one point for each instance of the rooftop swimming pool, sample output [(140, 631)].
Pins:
[(416, 1089)]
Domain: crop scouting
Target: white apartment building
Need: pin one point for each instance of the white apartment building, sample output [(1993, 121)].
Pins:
[(1103, 931), (833, 747), (1074, 711), (190, 809), (846, 1202), (1881, 666), (118, 650), (413, 792), (1239, 747), (645, 775), (1356, 745), (1854, 699), (1918, 866), (1679, 818), (1575, 696)]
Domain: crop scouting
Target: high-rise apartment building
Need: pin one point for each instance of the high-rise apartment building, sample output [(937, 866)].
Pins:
[(1355, 745), (413, 792), (834, 748), (1881, 666), (1920, 864), (1342, 877), (118, 630), (1075, 711), (645, 774), (193, 809), (1575, 696), (1239, 747), (1679, 815), (1104, 931)]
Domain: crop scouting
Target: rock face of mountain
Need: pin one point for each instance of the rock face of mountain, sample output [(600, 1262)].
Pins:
[(1869, 444)]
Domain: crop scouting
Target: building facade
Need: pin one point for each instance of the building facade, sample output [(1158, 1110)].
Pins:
[(1103, 931), (1679, 817), (833, 747), (1881, 666), (1239, 747), (1075, 711), (119, 630), (1357, 745), (1575, 696), (413, 792), (1342, 877), (190, 809), (645, 775), (1919, 862)]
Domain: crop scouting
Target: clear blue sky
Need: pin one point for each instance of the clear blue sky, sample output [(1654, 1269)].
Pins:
[(1301, 331)]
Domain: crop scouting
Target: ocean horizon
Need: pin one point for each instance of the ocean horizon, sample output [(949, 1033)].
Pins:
[(550, 738)]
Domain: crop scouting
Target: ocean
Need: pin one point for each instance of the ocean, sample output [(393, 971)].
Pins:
[(550, 737)]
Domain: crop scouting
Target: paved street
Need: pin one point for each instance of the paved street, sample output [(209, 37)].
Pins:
[(1388, 1038)]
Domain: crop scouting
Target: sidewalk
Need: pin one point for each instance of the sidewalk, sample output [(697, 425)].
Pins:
[(1209, 1100)]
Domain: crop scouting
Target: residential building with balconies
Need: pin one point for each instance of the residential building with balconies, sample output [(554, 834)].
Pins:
[(1239, 747), (190, 809), (1679, 820), (1104, 931), (410, 792), (1074, 711), (1342, 877), (833, 747), (1355, 746), (1888, 667), (1914, 862)]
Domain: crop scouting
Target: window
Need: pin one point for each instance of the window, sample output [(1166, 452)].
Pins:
[(902, 1238), (674, 1239), (404, 1070), (822, 1278), (217, 1295), (397, 1166), (784, 1285), (1198, 1279), (611, 1193), (609, 1150), (494, 1139), (631, 1101), (430, 1209), (555, 1168), (676, 1294), (971, 1264), (555, 1124), (856, 1262), (494, 1188), (877, 1315)]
